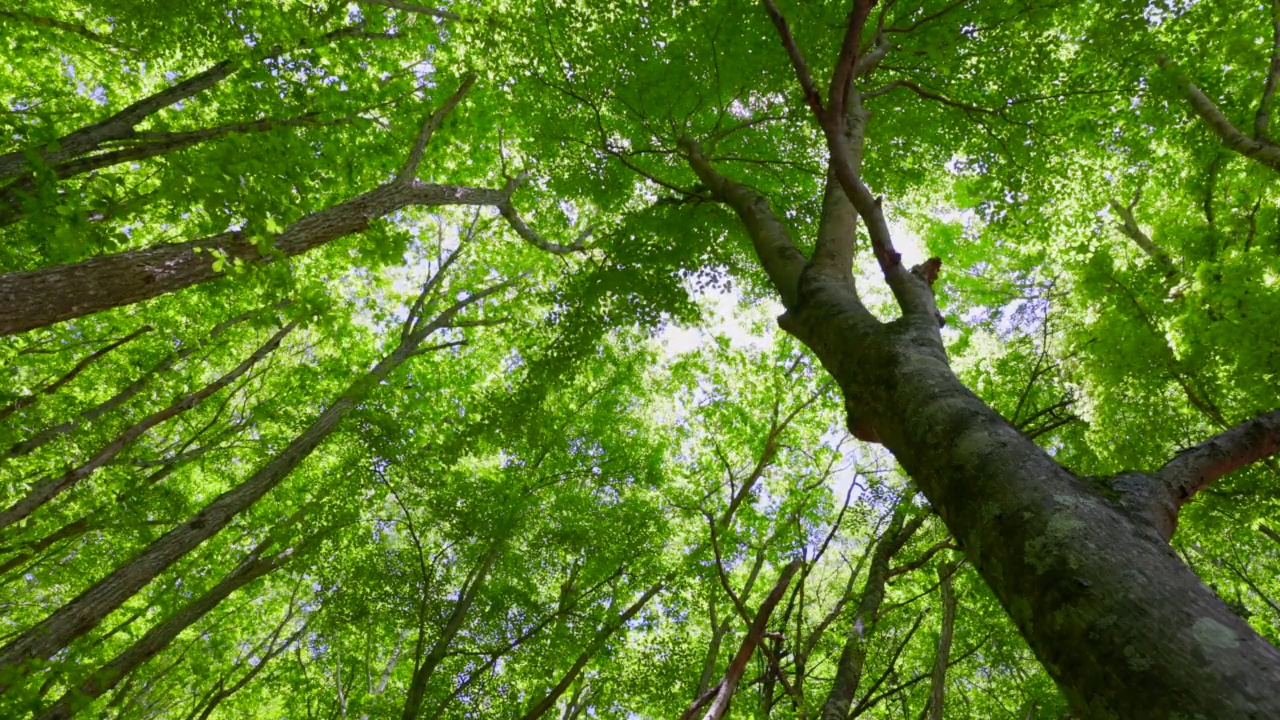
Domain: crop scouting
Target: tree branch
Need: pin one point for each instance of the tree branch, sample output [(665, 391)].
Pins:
[(811, 96), (429, 126), (778, 254), (1263, 118), (1129, 226), (414, 8), (733, 674), (1258, 149), (1195, 468)]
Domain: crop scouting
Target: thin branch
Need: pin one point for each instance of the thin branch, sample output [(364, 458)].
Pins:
[(733, 674), (429, 126), (1263, 118), (527, 233), (927, 18), (923, 559), (928, 94), (414, 8), (1129, 226), (811, 96), (53, 387), (64, 26)]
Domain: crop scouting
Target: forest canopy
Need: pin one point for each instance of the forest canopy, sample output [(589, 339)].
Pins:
[(709, 359)]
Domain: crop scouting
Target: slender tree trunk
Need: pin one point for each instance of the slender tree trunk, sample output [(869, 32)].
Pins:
[(721, 695), (27, 400), (153, 145), (45, 490), (548, 701), (938, 680), (159, 637), (223, 693), (88, 609), (122, 124), (854, 654), (93, 414), (418, 687)]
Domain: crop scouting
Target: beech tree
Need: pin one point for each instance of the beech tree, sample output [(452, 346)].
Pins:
[(742, 358)]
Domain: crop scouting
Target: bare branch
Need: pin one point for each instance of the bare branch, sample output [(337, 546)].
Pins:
[(928, 95), (772, 242), (923, 559), (429, 126), (811, 96), (527, 233), (927, 18), (53, 387), (733, 674), (64, 26), (1195, 468), (843, 74)]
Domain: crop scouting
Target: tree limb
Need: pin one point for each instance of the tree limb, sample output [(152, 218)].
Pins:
[(1258, 149), (1129, 226), (429, 126), (1263, 117), (733, 674), (1195, 468)]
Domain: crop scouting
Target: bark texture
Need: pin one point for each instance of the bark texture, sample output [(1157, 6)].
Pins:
[(1085, 572), (938, 679)]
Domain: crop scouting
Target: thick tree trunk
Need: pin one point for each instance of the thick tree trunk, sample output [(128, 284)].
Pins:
[(854, 654), (89, 608), (47, 489), (1085, 571), (1125, 628)]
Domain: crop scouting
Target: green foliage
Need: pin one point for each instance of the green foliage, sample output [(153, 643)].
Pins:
[(559, 426)]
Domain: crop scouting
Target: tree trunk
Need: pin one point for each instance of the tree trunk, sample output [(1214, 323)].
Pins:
[(1124, 627), (27, 400), (418, 687), (158, 638), (89, 608), (854, 654), (548, 701), (1085, 572), (938, 681), (47, 489), (92, 414)]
